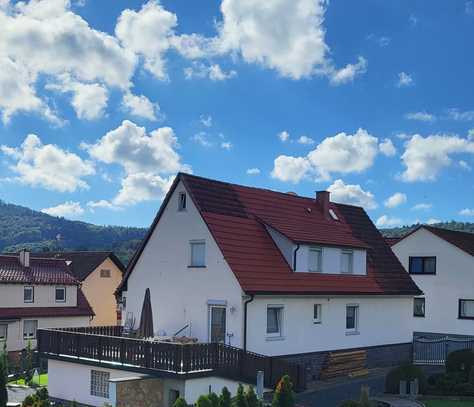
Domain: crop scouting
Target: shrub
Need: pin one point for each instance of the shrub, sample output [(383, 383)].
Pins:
[(406, 372), (203, 401), (464, 389), (214, 399), (224, 398), (3, 384), (364, 397), (180, 402), (349, 403), (239, 399), (284, 396), (460, 361), (252, 400)]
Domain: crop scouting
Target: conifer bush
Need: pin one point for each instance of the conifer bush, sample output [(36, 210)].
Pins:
[(203, 401), (214, 399), (225, 398), (284, 395), (240, 400), (180, 402), (251, 396)]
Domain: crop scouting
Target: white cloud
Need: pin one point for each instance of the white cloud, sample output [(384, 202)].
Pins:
[(351, 194), (385, 221), (290, 169), (206, 121), (433, 221), (202, 139), (283, 136), (104, 204), (48, 166), (421, 116), (422, 207), (464, 165), (459, 115), (68, 209), (404, 80), (141, 106), (253, 171), (349, 72), (214, 72), (381, 41), (425, 157), (397, 199), (387, 148), (413, 20), (467, 212), (305, 140), (226, 145), (469, 7)]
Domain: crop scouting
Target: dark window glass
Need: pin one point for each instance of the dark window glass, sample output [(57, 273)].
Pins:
[(419, 307), (466, 309), (351, 317), (422, 265)]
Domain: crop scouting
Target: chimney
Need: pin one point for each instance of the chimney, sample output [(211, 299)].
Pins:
[(25, 258), (322, 199)]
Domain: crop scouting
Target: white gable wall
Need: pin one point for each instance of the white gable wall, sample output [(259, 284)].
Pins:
[(180, 294), (454, 279)]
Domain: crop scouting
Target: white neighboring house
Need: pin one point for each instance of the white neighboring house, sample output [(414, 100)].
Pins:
[(37, 293), (441, 262), (272, 273)]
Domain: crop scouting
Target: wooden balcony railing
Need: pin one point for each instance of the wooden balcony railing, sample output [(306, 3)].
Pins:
[(104, 344)]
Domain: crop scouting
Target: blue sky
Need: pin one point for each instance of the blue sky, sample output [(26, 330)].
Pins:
[(101, 103)]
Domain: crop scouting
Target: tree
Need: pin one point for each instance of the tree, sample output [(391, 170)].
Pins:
[(180, 402), (251, 396), (284, 396), (3, 384), (240, 400), (225, 398), (203, 401), (27, 363), (214, 399)]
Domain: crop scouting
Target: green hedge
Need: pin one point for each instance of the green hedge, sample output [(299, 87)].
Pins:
[(406, 372)]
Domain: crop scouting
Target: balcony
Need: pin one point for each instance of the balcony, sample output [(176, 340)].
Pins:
[(107, 347)]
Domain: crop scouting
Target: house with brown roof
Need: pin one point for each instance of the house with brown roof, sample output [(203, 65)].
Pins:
[(441, 262), (37, 293), (272, 273), (100, 273)]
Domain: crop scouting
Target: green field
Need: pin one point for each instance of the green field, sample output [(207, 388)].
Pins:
[(42, 380), (448, 403)]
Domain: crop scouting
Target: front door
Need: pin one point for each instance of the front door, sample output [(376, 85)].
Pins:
[(217, 320)]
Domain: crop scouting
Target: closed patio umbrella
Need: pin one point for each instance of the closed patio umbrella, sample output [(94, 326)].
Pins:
[(146, 319)]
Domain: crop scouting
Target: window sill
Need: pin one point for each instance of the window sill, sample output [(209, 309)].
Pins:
[(197, 267), (351, 333), (467, 318), (317, 322), (422, 274), (418, 316), (274, 338)]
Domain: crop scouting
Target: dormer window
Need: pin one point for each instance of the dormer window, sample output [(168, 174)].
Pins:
[(315, 259), (347, 260), (182, 202), (333, 214)]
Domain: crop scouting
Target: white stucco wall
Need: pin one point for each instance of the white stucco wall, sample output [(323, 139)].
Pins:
[(15, 341), (382, 320), (180, 294), (11, 296), (454, 279)]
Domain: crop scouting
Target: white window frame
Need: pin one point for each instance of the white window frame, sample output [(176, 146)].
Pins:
[(32, 290), (319, 266), (5, 336), (63, 289), (209, 317), (99, 383), (317, 318), (196, 242), (351, 263), (275, 335), (30, 335), (182, 202), (355, 330)]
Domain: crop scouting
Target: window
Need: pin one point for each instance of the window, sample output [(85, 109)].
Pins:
[(3, 332), (422, 265), (466, 309), (274, 320), (60, 294), (198, 254), (315, 259), (29, 329), (100, 383), (182, 202), (105, 273), (28, 294), (346, 261), (352, 318), (418, 307), (317, 314)]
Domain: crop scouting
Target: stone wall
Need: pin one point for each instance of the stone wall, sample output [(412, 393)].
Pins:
[(143, 392)]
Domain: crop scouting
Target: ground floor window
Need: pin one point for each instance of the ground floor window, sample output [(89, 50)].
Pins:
[(466, 309), (419, 307), (29, 329), (274, 320), (3, 332), (352, 318), (317, 314), (100, 383)]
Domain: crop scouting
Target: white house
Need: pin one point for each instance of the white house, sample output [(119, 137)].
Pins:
[(441, 262), (36, 293), (273, 273)]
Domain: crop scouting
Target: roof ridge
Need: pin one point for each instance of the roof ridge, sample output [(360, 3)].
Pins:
[(461, 232)]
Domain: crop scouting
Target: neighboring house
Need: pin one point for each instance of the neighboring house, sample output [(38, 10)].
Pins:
[(441, 262), (37, 293), (100, 273), (273, 273)]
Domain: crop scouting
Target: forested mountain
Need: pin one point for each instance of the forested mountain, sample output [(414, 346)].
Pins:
[(452, 225), (21, 227)]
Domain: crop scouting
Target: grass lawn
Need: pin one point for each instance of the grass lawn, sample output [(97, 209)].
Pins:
[(42, 380), (448, 403)]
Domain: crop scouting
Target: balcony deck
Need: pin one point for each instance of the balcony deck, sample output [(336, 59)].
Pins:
[(107, 347)]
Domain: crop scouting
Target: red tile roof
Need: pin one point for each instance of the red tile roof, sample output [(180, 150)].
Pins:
[(83, 308), (236, 217), (41, 271)]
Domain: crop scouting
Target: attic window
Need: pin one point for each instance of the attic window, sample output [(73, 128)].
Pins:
[(333, 214), (182, 202)]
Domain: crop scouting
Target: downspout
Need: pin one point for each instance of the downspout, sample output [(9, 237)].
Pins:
[(294, 256), (247, 302)]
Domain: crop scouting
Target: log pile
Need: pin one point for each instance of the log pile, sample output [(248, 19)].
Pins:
[(344, 364)]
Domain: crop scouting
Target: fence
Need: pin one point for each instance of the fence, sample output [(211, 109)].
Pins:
[(435, 351), (180, 359)]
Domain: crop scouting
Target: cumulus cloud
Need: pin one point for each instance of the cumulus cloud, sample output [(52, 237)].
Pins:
[(206, 121), (290, 169), (92, 205), (348, 73), (395, 200), (351, 194), (141, 106), (226, 145), (67, 209), (253, 171), (387, 148), (283, 136), (467, 212), (404, 80), (305, 140), (421, 116), (213, 71), (385, 221), (422, 207), (459, 115), (425, 157)]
